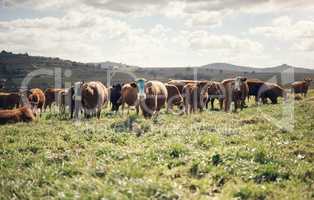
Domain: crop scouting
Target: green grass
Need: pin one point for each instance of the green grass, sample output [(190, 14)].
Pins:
[(208, 155)]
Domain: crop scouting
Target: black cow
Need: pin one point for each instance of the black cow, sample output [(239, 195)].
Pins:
[(115, 95)]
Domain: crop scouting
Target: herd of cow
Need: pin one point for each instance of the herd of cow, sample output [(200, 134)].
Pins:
[(150, 96)]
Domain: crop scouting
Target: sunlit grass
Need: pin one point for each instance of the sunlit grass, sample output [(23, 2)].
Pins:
[(202, 156)]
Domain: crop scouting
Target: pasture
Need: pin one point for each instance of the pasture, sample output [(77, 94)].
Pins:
[(209, 155)]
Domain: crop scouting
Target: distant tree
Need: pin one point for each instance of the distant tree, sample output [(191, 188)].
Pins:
[(221, 71)]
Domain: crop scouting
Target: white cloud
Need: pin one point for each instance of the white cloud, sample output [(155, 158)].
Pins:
[(203, 41), (300, 33), (204, 19)]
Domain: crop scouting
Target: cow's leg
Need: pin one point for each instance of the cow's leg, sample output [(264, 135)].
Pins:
[(98, 113), (137, 107), (226, 104), (212, 101)]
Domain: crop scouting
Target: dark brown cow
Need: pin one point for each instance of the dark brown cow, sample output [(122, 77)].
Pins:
[(129, 96), (23, 114), (254, 88), (301, 87), (215, 91), (152, 96), (174, 97), (37, 98), (51, 96), (234, 92), (195, 96), (10, 100), (271, 91), (94, 96)]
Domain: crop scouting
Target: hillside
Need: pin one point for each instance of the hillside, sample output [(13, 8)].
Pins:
[(15, 67)]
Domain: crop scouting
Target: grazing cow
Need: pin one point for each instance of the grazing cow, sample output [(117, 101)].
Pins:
[(234, 92), (152, 96), (195, 96), (174, 97), (254, 88), (94, 96), (51, 96), (37, 98), (129, 96), (215, 91), (10, 100), (22, 114), (301, 87), (271, 91), (115, 95)]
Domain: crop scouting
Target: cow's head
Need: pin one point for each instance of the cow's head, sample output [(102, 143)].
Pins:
[(308, 81), (140, 85), (117, 87), (238, 83)]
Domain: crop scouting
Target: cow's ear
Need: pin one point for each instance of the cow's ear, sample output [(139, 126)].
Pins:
[(133, 85), (243, 79)]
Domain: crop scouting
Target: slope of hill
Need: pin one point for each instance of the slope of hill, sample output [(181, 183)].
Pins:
[(15, 67)]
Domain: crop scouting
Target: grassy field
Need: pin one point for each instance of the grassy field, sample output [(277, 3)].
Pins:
[(211, 155)]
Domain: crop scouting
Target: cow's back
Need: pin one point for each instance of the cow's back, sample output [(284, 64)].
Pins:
[(129, 94), (94, 95)]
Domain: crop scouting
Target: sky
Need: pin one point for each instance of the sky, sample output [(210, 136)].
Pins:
[(162, 33)]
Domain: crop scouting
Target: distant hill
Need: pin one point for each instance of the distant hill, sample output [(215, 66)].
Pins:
[(277, 69), (15, 67)]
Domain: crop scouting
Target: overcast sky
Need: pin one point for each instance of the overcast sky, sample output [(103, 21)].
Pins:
[(162, 33)]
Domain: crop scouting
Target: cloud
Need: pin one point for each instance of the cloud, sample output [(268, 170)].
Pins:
[(300, 33), (203, 41), (204, 19), (140, 5)]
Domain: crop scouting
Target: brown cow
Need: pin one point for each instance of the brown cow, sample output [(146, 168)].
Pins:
[(215, 91), (181, 83), (10, 100), (301, 87), (94, 96), (152, 96), (37, 98), (23, 114), (174, 97), (272, 91), (234, 91), (195, 96), (51, 96), (129, 96)]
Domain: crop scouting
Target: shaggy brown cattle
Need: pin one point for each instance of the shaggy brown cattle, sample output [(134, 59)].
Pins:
[(10, 100), (174, 97), (23, 114), (301, 87), (271, 91), (215, 91), (195, 96), (234, 91), (129, 96), (37, 98), (152, 96), (51, 96), (94, 96), (254, 88)]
